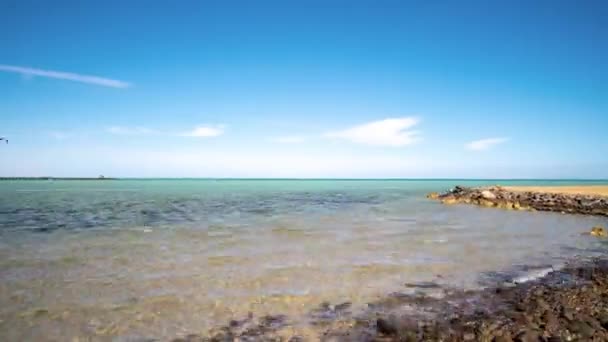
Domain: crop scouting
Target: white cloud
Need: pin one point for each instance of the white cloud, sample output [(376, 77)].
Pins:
[(196, 132), (484, 144), (122, 130), (95, 80), (204, 132), (388, 132), (289, 139)]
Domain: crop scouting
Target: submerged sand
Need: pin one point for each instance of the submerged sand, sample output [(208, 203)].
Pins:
[(594, 190)]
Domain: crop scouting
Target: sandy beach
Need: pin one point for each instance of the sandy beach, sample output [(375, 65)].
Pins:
[(593, 190)]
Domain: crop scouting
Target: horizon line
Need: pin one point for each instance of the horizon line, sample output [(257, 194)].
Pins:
[(300, 178)]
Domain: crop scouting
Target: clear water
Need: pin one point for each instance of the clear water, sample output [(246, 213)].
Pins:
[(131, 259)]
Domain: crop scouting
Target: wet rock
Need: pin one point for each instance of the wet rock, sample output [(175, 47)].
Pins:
[(423, 285), (449, 200), (387, 326), (342, 307), (486, 203), (432, 195), (598, 231)]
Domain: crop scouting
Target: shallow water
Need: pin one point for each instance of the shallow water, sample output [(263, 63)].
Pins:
[(136, 259)]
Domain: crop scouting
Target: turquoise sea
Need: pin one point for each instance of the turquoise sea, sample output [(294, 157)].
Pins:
[(159, 258)]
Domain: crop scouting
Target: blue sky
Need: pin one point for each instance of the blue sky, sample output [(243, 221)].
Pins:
[(490, 89)]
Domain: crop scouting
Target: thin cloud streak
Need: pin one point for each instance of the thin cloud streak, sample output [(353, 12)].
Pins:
[(197, 132), (204, 132), (61, 75), (392, 132), (485, 144)]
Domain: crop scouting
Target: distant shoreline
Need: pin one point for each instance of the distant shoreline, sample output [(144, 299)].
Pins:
[(55, 178), (497, 180)]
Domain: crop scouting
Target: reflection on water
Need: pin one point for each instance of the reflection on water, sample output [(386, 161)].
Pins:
[(167, 260)]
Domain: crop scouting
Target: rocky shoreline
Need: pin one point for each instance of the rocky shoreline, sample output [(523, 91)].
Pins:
[(570, 304), (500, 197), (565, 305)]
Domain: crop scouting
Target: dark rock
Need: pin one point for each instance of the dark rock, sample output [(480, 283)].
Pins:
[(567, 314), (342, 307), (386, 326), (603, 319)]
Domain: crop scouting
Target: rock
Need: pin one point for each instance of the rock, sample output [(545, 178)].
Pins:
[(598, 231), (469, 337), (567, 314), (432, 195), (505, 199), (449, 200), (603, 319), (486, 203), (542, 304), (581, 328), (487, 194), (550, 320), (506, 205), (386, 326), (503, 338), (528, 336)]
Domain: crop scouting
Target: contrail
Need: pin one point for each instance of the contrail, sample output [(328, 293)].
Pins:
[(100, 81)]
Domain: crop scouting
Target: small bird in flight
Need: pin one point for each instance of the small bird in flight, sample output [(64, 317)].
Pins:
[(4, 139)]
